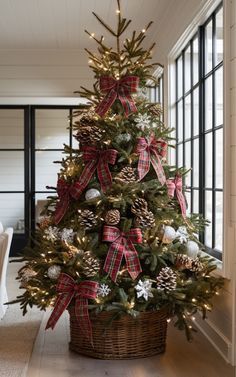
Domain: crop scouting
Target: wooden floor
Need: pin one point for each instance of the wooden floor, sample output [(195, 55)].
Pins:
[(182, 359)]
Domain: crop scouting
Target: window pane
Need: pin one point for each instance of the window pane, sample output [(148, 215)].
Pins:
[(51, 128), (195, 61), (208, 160), (219, 158), (12, 171), (187, 164), (12, 211), (187, 120), (219, 221), (46, 171), (195, 201), (187, 70), (208, 216), (196, 112), (11, 128), (219, 36), (179, 77), (180, 120), (208, 103), (219, 97), (188, 199), (196, 163), (180, 155), (208, 47)]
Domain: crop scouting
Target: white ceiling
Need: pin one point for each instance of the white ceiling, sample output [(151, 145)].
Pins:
[(60, 24)]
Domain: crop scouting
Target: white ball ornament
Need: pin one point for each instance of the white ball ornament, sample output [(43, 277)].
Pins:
[(54, 272), (192, 249), (92, 194), (169, 234)]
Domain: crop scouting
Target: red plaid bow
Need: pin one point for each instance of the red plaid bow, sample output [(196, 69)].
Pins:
[(64, 191), (150, 152), (175, 186), (122, 245), (120, 89), (95, 159), (67, 290)]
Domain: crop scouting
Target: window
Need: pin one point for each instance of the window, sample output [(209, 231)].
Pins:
[(199, 126)]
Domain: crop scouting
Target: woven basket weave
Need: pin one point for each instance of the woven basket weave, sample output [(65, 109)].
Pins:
[(123, 338)]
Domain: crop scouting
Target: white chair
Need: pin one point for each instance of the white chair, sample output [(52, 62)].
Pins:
[(5, 245), (1, 228)]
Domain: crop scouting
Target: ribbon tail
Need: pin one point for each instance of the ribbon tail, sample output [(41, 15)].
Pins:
[(82, 315), (127, 103), (77, 189), (104, 175), (113, 260), (60, 306), (157, 166), (182, 202), (61, 208), (143, 164), (132, 260), (106, 103)]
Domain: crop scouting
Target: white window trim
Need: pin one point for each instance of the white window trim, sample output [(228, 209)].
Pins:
[(224, 268)]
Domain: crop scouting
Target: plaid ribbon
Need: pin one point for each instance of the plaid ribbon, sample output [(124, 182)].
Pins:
[(94, 159), (175, 186), (122, 245), (120, 89), (67, 290), (150, 153)]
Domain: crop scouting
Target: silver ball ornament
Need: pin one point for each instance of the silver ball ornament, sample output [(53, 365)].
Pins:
[(169, 234), (192, 249), (54, 272), (92, 194)]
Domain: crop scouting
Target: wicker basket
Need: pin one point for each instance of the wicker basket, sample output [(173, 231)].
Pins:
[(123, 338)]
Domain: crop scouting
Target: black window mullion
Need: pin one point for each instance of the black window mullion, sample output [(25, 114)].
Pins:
[(27, 169), (191, 112), (213, 132), (32, 194), (176, 113), (183, 104)]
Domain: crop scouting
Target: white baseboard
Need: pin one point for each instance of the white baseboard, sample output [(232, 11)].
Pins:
[(216, 338)]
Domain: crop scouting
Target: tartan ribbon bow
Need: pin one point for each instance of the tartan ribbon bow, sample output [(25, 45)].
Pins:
[(150, 152), (122, 245), (94, 159), (67, 290), (174, 186), (120, 89)]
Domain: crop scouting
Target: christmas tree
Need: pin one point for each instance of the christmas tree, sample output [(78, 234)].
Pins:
[(117, 233)]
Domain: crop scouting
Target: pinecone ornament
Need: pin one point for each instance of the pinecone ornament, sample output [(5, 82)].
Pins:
[(127, 175), (146, 220), (166, 280), (112, 217), (45, 222), (183, 262), (89, 134), (139, 206), (197, 265), (25, 275), (90, 265), (87, 219)]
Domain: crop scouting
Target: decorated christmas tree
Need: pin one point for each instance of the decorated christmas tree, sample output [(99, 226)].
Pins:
[(116, 237)]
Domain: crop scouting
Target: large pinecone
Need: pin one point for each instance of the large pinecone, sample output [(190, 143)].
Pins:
[(87, 219), (183, 262), (139, 206), (166, 280), (146, 220), (90, 265), (112, 217), (127, 175), (197, 265), (89, 134)]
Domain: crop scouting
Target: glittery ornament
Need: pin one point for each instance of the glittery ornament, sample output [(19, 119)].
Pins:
[(144, 288), (142, 121), (169, 234), (192, 249), (92, 194), (182, 234), (67, 235), (51, 233), (54, 272)]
